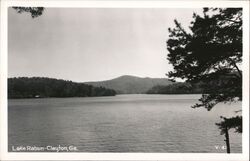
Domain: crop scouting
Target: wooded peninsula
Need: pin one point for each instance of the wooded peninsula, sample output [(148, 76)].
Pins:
[(40, 87)]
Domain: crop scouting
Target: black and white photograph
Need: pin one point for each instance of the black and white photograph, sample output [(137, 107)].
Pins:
[(125, 80)]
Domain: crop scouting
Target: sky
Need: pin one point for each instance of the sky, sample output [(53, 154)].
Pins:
[(92, 44)]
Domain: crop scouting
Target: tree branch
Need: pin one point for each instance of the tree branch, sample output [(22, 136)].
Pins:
[(233, 21), (235, 65)]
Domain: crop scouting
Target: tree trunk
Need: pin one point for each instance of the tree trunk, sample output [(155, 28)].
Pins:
[(227, 140)]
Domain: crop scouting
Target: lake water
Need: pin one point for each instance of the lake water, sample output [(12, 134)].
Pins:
[(123, 123)]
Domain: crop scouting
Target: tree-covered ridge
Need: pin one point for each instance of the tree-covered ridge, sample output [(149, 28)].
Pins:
[(24, 87), (192, 88), (177, 88)]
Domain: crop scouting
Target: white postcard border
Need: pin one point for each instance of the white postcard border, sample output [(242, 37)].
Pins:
[(5, 155)]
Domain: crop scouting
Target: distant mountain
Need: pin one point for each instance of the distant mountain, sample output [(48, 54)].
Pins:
[(130, 84)]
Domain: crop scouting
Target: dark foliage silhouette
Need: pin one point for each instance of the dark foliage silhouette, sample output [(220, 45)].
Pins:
[(210, 52), (34, 11)]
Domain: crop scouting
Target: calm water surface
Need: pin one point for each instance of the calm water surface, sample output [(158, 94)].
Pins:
[(123, 123)]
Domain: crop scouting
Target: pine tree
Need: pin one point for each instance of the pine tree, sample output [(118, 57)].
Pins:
[(211, 53)]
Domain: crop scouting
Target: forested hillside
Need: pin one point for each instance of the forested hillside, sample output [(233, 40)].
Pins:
[(37, 87), (177, 88)]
